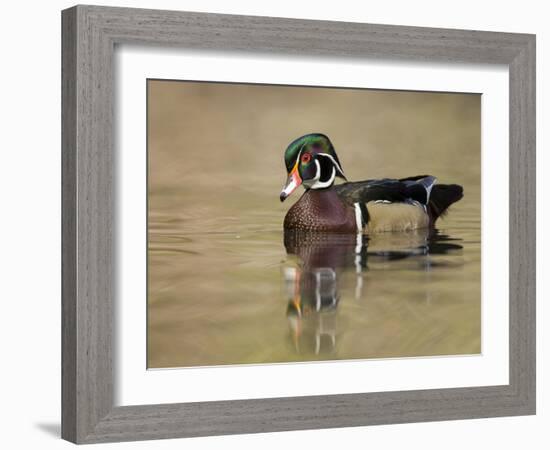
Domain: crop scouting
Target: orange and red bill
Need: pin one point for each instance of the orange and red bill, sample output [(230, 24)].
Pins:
[(293, 181)]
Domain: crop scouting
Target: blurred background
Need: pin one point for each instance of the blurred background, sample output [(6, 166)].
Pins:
[(218, 269)]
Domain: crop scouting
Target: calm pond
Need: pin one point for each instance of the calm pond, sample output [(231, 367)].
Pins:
[(224, 293)]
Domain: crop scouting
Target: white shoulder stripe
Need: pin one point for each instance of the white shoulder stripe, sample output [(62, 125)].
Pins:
[(358, 217)]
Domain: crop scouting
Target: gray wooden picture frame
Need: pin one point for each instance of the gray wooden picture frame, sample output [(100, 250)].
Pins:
[(90, 34)]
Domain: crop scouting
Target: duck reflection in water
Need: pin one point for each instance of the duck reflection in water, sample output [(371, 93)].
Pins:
[(324, 263)]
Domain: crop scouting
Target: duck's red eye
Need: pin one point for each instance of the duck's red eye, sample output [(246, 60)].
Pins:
[(306, 157)]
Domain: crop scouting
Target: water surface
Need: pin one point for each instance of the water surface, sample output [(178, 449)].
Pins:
[(254, 294)]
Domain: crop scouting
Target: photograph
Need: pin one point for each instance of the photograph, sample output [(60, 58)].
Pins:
[(292, 224)]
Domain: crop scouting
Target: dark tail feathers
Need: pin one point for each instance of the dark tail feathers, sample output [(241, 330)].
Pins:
[(443, 196)]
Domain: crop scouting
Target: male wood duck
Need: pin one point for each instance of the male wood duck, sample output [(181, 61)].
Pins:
[(362, 206)]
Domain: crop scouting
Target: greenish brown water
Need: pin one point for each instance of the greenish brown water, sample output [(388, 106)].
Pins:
[(227, 286)]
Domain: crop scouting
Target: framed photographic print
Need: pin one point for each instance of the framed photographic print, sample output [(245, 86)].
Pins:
[(278, 224)]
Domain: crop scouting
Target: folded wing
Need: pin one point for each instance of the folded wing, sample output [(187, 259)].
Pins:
[(420, 189)]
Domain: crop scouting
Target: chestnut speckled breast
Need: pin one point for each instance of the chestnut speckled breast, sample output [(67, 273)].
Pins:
[(372, 205), (320, 210)]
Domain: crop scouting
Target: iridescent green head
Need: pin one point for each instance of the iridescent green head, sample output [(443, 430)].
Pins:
[(312, 161)]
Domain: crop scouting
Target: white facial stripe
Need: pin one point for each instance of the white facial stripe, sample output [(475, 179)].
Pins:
[(315, 183), (333, 162), (317, 170), (310, 183), (320, 184)]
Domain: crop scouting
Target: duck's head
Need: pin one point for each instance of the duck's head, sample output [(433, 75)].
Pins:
[(311, 160)]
